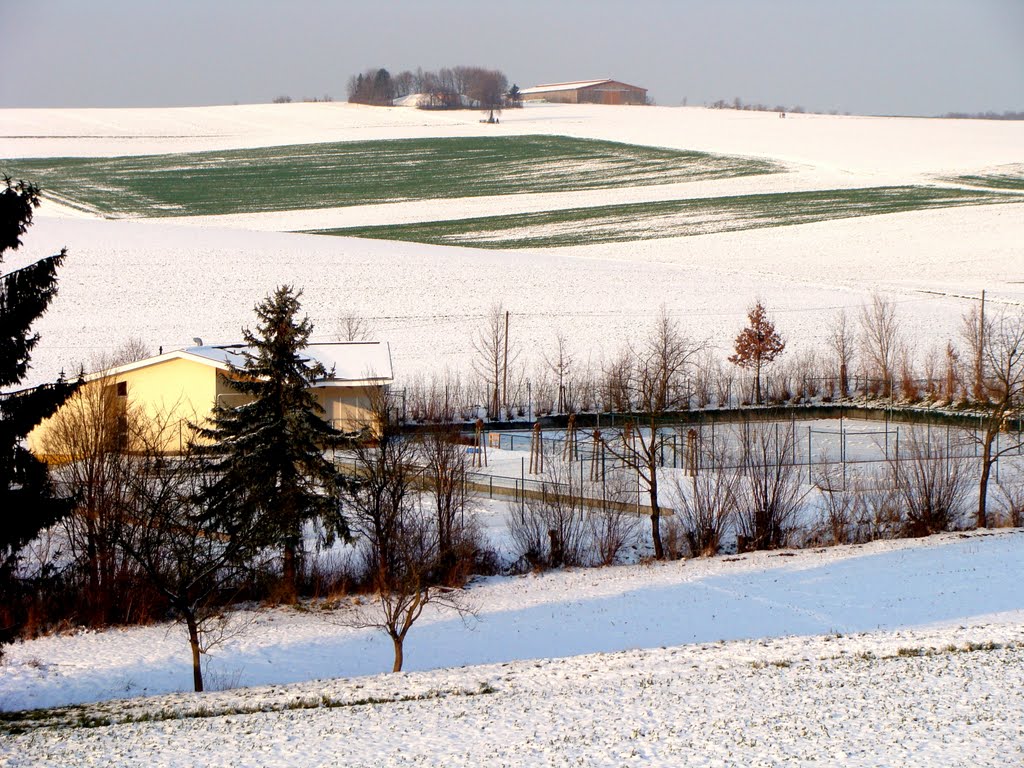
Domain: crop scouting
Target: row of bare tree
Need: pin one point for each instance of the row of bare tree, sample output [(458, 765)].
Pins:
[(669, 372), (749, 488), (866, 355)]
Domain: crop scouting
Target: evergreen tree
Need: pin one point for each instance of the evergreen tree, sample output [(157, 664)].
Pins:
[(27, 501), (269, 451), (514, 96)]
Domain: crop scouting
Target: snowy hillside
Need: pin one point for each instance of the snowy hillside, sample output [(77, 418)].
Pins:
[(903, 652), (201, 276)]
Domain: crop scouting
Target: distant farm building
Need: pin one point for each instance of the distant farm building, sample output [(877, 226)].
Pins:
[(587, 92)]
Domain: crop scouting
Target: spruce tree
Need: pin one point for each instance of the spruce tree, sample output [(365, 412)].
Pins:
[(27, 501), (269, 452)]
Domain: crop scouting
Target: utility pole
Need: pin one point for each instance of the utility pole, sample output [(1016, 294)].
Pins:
[(504, 375), (979, 361)]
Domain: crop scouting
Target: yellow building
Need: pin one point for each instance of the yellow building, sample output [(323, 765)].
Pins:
[(172, 391)]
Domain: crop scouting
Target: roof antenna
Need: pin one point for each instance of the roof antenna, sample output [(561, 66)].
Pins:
[(197, 341)]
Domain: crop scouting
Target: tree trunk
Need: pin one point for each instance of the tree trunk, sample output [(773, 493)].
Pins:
[(193, 641), (289, 575), (398, 641), (986, 470), (659, 549)]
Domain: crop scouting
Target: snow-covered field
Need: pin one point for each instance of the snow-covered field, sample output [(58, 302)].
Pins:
[(592, 667), (894, 653), (169, 282)]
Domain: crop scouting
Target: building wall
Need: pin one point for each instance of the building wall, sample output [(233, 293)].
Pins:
[(349, 409), (168, 395), (601, 93), (612, 93), (554, 97)]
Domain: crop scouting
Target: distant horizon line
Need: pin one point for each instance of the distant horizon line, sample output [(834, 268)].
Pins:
[(1003, 115)]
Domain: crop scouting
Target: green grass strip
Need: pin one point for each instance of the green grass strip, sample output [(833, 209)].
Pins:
[(672, 218), (314, 176), (1009, 181)]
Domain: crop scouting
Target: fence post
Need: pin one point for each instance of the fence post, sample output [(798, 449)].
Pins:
[(809, 449), (897, 455), (792, 427)]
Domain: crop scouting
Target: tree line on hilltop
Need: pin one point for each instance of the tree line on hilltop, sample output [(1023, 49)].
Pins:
[(447, 88)]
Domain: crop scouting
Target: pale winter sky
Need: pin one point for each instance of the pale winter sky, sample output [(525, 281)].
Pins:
[(914, 57)]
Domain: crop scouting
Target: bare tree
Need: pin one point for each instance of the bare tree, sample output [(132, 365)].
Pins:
[(90, 437), (130, 351), (839, 503), (880, 338), (550, 531), (196, 560), (404, 83), (841, 340), (951, 373), (757, 345), (770, 492), (652, 382), (560, 363), (494, 355), (353, 328), (401, 540), (379, 493), (707, 499), (879, 510), (446, 471), (932, 482), (974, 330), (406, 588), (613, 526), (617, 376), (1011, 500), (1003, 390)]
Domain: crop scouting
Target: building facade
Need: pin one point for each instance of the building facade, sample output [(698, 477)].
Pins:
[(587, 92), (169, 393)]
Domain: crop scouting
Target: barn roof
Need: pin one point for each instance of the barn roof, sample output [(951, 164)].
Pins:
[(354, 363), (574, 85)]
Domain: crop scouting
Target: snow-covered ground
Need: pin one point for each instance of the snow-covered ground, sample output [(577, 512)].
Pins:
[(169, 282), (901, 653), (782, 688), (850, 144), (940, 581), (166, 284)]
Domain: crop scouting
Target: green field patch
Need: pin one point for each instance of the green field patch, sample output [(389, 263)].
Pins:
[(1012, 178), (672, 218), (310, 176)]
